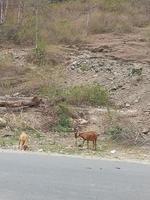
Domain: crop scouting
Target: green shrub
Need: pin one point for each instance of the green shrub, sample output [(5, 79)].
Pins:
[(50, 91), (67, 110), (115, 132), (135, 72), (87, 95), (94, 95), (64, 122)]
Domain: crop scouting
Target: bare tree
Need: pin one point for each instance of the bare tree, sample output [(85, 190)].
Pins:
[(20, 12), (36, 24), (3, 10), (6, 10)]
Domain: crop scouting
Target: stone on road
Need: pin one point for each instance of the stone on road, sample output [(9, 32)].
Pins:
[(44, 177)]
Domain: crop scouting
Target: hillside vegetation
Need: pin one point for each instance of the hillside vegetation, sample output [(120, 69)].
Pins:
[(87, 59), (69, 22)]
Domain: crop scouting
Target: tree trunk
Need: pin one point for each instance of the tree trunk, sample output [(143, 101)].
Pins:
[(20, 12), (6, 9), (13, 102), (1, 12)]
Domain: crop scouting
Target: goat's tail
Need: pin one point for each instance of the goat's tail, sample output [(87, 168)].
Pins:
[(98, 134)]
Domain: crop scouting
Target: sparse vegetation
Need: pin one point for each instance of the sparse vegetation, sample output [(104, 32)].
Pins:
[(38, 46), (147, 36), (69, 21), (93, 94), (64, 123), (125, 136), (88, 95), (39, 54), (133, 71)]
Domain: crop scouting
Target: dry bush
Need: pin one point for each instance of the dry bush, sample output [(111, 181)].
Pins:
[(123, 129), (101, 23), (147, 36), (107, 22), (24, 121), (67, 22), (65, 32), (126, 135), (5, 61)]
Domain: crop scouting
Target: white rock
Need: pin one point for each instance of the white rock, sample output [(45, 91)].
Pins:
[(40, 150), (145, 131), (82, 121), (72, 67), (3, 123), (113, 151), (128, 105)]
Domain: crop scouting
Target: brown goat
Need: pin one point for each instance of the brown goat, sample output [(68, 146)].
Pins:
[(88, 136), (23, 141)]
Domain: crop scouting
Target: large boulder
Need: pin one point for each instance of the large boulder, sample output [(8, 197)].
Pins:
[(3, 123)]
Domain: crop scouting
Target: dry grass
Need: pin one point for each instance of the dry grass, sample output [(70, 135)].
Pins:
[(147, 35), (106, 22), (25, 76), (68, 21)]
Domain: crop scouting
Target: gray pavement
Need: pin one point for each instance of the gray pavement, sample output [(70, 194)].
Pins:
[(44, 177)]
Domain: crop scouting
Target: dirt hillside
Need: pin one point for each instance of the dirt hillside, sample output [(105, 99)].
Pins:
[(120, 63)]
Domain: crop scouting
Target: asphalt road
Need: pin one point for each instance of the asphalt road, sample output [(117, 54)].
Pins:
[(43, 177)]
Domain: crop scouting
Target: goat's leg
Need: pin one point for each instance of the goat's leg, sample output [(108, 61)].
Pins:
[(83, 143), (76, 142), (21, 145), (95, 145), (87, 144)]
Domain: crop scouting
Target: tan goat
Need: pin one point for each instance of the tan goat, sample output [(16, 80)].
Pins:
[(23, 141)]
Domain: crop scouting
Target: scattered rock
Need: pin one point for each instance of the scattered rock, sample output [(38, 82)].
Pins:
[(136, 100), (69, 147), (95, 75), (72, 67), (113, 151), (127, 105), (82, 121), (16, 94), (145, 131), (104, 49), (40, 150), (3, 123), (147, 113)]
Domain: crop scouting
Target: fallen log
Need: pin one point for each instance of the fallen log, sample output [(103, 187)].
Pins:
[(14, 102)]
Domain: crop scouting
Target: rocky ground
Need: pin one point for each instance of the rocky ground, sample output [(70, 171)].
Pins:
[(120, 63)]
